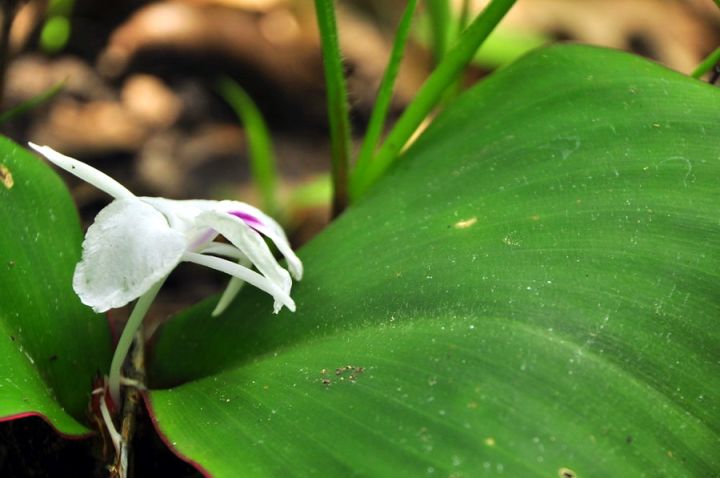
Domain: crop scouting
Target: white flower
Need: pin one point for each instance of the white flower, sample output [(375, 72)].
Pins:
[(137, 241)]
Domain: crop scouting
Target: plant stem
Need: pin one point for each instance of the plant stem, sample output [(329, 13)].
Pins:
[(127, 337), (384, 96), (132, 401), (338, 109), (707, 64), (33, 102), (439, 15), (261, 155), (463, 17), (432, 91)]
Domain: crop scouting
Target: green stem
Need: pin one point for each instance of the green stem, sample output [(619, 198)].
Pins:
[(439, 15), (432, 91), (338, 109), (384, 96), (261, 154), (707, 64), (465, 16), (127, 337), (31, 103)]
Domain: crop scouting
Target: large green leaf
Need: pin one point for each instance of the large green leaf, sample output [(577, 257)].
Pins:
[(51, 345), (532, 291)]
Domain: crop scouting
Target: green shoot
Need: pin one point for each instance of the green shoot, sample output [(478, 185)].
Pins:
[(431, 93), (338, 108), (32, 102), (707, 64), (384, 96), (464, 17), (262, 156), (440, 17)]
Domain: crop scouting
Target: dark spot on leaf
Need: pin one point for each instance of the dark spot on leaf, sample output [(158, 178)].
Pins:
[(12, 337), (629, 439), (53, 357)]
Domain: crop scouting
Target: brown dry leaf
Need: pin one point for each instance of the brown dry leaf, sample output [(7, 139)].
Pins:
[(234, 34), (281, 44), (150, 101), (672, 32), (92, 127)]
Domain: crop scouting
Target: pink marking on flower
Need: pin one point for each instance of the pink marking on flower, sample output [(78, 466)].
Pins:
[(202, 239), (249, 219)]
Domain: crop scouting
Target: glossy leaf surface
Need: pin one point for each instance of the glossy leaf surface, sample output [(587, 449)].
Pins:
[(51, 346), (532, 291)]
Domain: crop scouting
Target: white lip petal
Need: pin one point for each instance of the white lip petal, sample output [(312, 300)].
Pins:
[(251, 277), (231, 291), (235, 284), (226, 250), (126, 250), (268, 227), (85, 172), (249, 242)]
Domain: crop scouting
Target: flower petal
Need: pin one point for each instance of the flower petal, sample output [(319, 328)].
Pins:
[(266, 226), (231, 291), (281, 297), (85, 172), (250, 243), (126, 250), (235, 284)]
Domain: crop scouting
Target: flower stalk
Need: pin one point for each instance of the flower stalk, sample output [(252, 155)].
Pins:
[(127, 337)]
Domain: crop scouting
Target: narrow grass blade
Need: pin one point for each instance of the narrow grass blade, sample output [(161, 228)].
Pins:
[(262, 156), (707, 64), (338, 109), (33, 102), (432, 91), (384, 96), (440, 17), (464, 17)]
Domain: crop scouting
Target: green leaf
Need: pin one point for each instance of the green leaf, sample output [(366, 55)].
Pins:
[(51, 346), (533, 290)]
